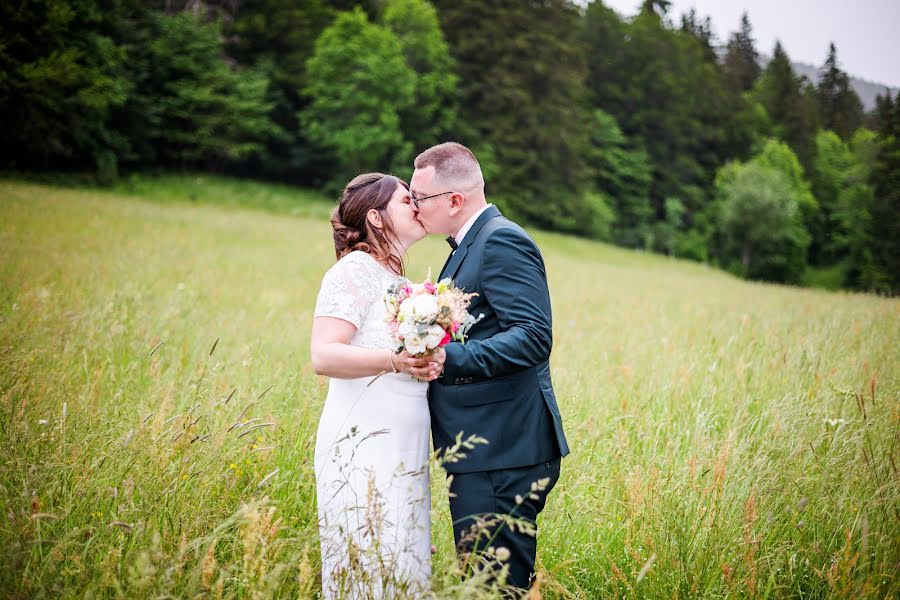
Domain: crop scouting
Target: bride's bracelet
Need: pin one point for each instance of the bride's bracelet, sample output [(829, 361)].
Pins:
[(391, 358)]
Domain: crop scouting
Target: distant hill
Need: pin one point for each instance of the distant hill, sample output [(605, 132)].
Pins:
[(867, 90)]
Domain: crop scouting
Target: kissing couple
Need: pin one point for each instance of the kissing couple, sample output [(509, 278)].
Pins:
[(372, 443)]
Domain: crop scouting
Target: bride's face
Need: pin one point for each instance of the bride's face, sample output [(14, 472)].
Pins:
[(402, 213)]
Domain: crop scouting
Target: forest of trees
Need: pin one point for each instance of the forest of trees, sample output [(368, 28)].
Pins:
[(641, 131)]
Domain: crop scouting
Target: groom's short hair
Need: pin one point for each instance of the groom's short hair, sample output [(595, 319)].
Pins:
[(453, 163)]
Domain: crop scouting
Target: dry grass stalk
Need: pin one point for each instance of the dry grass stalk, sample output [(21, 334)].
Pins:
[(208, 566)]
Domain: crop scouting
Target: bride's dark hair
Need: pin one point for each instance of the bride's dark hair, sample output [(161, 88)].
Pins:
[(352, 230)]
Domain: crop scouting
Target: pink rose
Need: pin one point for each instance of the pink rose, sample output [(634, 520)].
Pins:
[(454, 327), (430, 287), (446, 339)]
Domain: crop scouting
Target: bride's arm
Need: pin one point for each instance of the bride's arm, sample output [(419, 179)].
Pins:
[(332, 354)]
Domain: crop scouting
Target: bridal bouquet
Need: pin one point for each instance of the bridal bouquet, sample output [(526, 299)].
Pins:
[(424, 316)]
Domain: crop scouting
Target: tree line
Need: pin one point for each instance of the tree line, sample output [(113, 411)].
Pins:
[(640, 131)]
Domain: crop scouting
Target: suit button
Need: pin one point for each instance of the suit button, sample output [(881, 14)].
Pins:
[(456, 381), (468, 380)]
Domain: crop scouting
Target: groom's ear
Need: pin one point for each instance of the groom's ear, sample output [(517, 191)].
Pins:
[(457, 201)]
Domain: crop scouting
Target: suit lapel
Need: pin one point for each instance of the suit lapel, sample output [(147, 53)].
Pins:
[(455, 260), (446, 262)]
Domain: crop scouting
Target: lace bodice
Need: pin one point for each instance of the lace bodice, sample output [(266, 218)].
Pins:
[(353, 290)]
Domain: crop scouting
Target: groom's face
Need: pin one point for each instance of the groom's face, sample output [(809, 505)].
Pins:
[(432, 212)]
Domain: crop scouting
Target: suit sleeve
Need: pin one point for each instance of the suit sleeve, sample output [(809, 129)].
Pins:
[(513, 281)]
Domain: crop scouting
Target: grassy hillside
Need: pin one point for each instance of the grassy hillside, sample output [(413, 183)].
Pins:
[(729, 439)]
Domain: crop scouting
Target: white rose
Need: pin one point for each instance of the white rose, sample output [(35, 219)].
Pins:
[(414, 344), (407, 328), (434, 336), (423, 307)]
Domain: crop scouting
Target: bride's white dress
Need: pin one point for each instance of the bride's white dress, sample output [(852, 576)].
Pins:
[(371, 456)]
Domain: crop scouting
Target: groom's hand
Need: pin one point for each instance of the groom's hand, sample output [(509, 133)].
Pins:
[(435, 366), (438, 358)]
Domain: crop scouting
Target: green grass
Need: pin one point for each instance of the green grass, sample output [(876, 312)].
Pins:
[(227, 191), (198, 188), (729, 439)]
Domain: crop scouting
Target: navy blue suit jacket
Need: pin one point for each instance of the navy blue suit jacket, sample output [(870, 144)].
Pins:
[(497, 385)]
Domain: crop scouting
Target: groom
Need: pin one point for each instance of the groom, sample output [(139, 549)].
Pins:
[(496, 385)]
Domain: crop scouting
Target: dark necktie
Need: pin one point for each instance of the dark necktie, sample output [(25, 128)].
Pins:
[(452, 242)]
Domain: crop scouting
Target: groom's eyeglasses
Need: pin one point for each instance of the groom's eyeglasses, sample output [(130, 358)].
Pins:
[(416, 199)]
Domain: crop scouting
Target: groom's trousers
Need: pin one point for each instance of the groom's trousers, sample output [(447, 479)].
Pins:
[(487, 493)]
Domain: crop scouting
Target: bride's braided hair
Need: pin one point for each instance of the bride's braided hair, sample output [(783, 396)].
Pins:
[(352, 230)]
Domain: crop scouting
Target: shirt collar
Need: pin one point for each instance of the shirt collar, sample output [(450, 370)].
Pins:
[(468, 225)]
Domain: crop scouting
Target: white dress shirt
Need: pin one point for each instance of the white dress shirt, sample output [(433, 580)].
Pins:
[(468, 225)]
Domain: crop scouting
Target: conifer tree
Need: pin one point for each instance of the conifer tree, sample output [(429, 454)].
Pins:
[(741, 62), (840, 106), (61, 78), (278, 37), (791, 104), (201, 112), (691, 24), (881, 114), (655, 7), (651, 88), (522, 71), (886, 206)]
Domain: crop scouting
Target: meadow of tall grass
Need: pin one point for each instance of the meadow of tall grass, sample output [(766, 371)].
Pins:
[(158, 412)]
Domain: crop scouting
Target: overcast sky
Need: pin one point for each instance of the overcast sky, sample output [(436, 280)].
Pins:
[(864, 31)]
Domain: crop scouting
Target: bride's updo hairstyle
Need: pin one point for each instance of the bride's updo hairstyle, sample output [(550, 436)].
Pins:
[(352, 230)]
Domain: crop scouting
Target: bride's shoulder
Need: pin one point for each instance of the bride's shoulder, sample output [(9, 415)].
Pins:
[(353, 265), (357, 257), (355, 261)]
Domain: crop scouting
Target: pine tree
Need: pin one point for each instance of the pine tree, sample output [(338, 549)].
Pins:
[(522, 71), (607, 37), (199, 111), (659, 8), (702, 31), (881, 114), (649, 77), (840, 106), (63, 72), (278, 37), (886, 207), (791, 104), (741, 62)]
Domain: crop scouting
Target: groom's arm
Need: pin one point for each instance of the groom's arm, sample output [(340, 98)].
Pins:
[(514, 284)]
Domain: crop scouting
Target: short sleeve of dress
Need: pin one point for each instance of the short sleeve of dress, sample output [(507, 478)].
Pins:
[(348, 289)]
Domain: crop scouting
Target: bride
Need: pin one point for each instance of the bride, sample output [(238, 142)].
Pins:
[(371, 456)]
